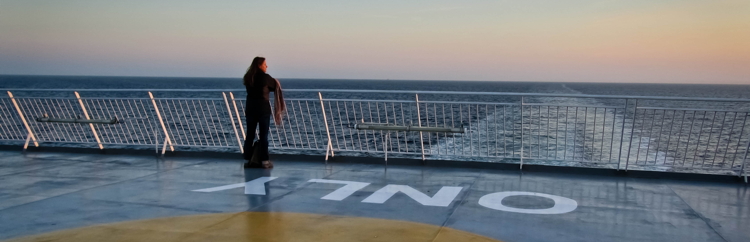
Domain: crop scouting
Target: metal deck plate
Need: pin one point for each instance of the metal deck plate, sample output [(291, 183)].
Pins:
[(46, 192)]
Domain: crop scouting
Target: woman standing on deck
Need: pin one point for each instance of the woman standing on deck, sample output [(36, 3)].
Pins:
[(258, 111)]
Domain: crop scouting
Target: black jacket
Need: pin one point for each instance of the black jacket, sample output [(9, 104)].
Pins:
[(262, 85), (258, 95)]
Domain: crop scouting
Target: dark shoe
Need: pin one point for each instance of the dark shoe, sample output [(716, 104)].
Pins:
[(253, 165), (267, 164)]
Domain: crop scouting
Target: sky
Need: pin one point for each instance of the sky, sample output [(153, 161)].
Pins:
[(644, 41)]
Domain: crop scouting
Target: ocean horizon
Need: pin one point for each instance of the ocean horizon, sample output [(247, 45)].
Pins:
[(594, 88)]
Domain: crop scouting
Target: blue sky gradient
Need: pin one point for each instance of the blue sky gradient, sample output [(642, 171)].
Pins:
[(667, 41)]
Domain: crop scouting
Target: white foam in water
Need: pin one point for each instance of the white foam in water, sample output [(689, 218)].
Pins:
[(604, 149)]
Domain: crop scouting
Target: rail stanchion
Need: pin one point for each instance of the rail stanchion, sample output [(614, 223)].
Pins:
[(239, 120), (30, 136), (156, 139), (325, 122), (385, 146), (622, 133), (28, 139), (167, 140), (632, 132), (744, 160), (231, 119), (91, 125), (522, 123), (419, 124)]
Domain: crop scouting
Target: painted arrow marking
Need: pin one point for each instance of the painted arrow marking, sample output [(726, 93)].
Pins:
[(254, 187)]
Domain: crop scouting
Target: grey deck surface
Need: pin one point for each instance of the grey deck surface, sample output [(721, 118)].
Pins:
[(42, 192)]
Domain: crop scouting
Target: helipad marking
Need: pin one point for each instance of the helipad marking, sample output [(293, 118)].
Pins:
[(495, 201), (442, 198), (254, 187), (350, 188), (260, 226)]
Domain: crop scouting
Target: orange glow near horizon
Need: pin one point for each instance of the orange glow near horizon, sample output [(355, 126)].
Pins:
[(687, 41)]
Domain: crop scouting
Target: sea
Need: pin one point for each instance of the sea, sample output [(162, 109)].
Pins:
[(645, 133), (602, 88)]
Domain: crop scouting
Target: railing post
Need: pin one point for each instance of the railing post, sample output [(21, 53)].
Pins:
[(30, 135), (632, 132), (86, 114), (239, 120), (744, 159), (231, 119), (522, 123), (28, 139), (622, 134), (156, 138), (419, 124), (163, 127), (329, 147), (385, 146)]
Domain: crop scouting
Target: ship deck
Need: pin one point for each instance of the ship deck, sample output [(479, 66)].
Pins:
[(58, 196)]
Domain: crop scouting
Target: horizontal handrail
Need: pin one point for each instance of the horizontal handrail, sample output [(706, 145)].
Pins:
[(463, 102), (119, 90), (389, 127), (404, 92), (78, 120), (564, 105), (525, 94), (368, 100), (695, 109)]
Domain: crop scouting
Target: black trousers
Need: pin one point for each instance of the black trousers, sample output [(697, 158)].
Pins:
[(262, 121)]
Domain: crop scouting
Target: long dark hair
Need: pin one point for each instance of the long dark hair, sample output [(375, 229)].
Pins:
[(252, 70)]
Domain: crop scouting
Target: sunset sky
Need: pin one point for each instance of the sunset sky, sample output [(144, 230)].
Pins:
[(665, 41)]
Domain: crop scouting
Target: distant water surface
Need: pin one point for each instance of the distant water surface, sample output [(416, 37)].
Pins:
[(84, 82)]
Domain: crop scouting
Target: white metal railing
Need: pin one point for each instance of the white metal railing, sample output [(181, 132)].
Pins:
[(617, 132)]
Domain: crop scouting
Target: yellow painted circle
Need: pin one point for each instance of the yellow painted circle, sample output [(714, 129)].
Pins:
[(260, 226)]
